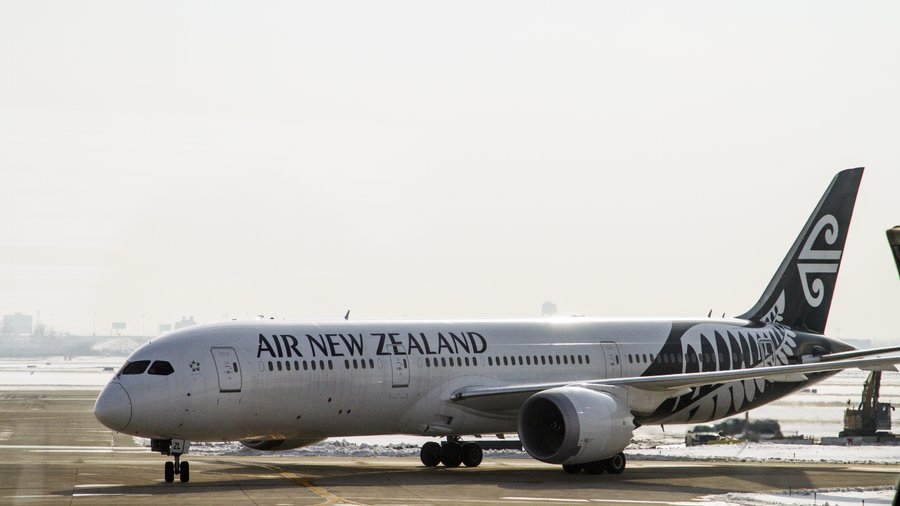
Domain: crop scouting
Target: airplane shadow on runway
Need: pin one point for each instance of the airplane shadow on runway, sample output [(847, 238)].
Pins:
[(684, 479)]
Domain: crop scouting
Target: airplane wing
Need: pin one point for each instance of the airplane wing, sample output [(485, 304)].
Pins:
[(676, 383)]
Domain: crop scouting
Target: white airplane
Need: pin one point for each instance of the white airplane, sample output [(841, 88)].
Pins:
[(573, 389)]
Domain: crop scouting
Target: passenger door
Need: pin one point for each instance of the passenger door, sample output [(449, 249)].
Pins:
[(227, 367), (613, 362), (767, 351), (400, 367)]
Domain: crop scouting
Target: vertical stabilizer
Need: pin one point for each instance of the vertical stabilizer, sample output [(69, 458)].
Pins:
[(802, 288)]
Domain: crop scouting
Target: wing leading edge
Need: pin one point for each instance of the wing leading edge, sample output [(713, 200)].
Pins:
[(676, 383)]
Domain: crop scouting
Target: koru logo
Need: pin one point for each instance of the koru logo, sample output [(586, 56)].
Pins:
[(818, 261)]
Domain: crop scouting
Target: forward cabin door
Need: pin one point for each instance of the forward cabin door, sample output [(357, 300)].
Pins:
[(229, 372), (400, 367), (613, 362)]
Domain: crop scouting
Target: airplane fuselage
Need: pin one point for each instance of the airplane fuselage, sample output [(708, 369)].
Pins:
[(272, 379)]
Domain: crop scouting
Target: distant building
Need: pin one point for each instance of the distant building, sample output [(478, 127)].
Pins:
[(165, 327), (185, 322), (548, 309), (17, 324)]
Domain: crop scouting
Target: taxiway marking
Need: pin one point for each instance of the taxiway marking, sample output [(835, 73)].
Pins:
[(306, 483)]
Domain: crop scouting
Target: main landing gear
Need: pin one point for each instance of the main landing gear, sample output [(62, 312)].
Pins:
[(612, 465), (451, 453), (176, 448)]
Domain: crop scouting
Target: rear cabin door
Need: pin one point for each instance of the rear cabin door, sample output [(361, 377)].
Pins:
[(229, 372), (400, 367), (767, 352), (613, 362)]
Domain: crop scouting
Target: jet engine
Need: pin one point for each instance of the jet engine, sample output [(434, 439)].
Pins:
[(276, 445), (574, 425)]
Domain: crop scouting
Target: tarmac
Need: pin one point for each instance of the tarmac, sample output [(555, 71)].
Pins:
[(53, 451)]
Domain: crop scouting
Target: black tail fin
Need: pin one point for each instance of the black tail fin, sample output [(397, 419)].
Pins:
[(799, 294)]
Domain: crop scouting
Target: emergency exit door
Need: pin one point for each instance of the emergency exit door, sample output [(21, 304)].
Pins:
[(227, 368)]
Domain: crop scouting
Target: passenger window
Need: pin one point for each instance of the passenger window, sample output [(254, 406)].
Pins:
[(136, 367)]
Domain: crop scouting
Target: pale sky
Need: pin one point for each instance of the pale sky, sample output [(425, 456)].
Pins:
[(438, 160)]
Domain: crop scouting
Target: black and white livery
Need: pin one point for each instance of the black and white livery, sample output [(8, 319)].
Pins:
[(573, 389)]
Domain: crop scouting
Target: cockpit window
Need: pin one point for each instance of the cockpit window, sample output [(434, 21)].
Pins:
[(137, 367), (161, 368)]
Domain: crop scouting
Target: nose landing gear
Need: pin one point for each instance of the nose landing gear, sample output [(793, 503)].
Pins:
[(182, 469), (176, 448)]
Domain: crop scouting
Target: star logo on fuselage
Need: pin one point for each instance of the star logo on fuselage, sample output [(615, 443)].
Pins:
[(195, 366)]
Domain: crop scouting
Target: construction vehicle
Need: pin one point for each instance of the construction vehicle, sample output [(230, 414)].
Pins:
[(870, 418), (873, 418)]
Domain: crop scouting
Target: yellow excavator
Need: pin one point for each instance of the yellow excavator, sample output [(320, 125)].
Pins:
[(873, 418)]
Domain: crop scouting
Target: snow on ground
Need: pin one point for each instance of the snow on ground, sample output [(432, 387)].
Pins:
[(749, 452), (57, 373), (772, 452), (336, 447)]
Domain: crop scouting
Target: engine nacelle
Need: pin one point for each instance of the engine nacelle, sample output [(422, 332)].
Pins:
[(276, 445), (574, 425)]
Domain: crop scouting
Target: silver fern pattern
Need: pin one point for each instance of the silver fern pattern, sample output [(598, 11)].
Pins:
[(723, 348)]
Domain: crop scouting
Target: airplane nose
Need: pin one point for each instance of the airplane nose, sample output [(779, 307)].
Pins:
[(113, 407)]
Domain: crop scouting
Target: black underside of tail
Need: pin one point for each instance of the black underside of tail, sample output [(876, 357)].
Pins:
[(799, 295)]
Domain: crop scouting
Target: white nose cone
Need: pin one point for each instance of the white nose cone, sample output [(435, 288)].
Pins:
[(113, 407)]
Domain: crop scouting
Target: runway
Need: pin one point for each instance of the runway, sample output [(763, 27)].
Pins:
[(52, 451)]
